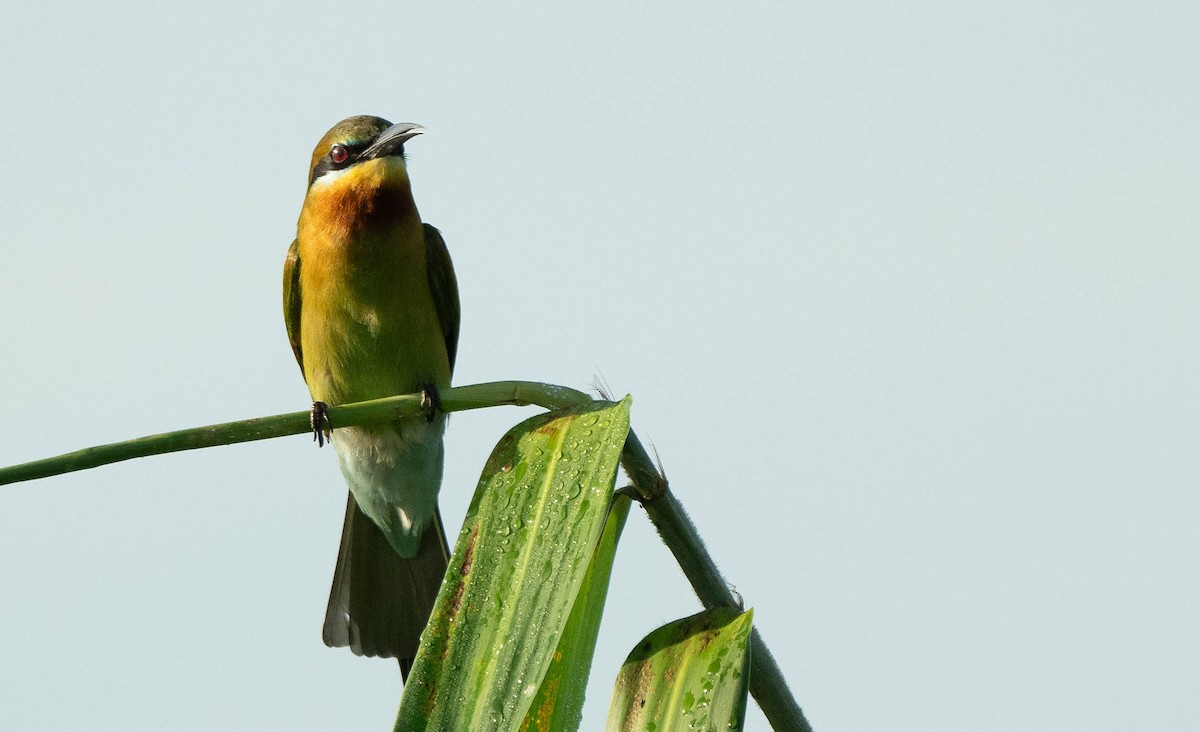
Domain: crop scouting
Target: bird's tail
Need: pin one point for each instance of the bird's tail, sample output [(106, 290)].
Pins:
[(380, 602)]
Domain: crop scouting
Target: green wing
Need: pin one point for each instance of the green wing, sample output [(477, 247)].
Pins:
[(442, 285), (291, 299)]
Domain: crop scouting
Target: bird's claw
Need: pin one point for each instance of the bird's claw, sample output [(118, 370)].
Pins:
[(321, 427), (431, 401)]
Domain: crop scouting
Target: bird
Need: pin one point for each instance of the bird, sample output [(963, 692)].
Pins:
[(371, 306)]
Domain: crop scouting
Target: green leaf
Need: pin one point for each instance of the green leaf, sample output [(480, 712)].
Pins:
[(519, 562), (692, 674), (558, 706)]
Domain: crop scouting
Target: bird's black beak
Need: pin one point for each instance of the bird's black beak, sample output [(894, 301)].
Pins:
[(391, 141)]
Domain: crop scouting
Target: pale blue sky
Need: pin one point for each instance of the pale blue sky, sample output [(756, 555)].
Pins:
[(906, 296)]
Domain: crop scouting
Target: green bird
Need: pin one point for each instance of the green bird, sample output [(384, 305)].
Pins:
[(371, 305)]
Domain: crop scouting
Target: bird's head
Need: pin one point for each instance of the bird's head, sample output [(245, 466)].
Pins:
[(358, 168), (358, 144)]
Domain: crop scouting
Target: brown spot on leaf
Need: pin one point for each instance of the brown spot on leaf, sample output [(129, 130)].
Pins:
[(556, 425), (464, 571)]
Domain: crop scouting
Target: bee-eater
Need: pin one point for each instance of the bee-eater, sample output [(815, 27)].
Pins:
[(371, 305)]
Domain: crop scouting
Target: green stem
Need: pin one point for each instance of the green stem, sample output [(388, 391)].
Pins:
[(460, 398)]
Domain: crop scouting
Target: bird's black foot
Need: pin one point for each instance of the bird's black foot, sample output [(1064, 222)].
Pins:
[(431, 401), (319, 419)]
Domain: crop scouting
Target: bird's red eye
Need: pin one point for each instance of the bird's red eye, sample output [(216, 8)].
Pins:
[(339, 154)]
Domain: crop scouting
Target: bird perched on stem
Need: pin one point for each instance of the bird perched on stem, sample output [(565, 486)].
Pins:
[(371, 305)]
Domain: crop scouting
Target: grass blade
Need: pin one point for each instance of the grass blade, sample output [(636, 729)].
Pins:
[(558, 706), (692, 674), (518, 564)]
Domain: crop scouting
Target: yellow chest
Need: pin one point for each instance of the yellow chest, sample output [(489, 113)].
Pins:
[(368, 324)]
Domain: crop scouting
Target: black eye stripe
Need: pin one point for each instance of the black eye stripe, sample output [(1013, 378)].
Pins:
[(352, 153), (327, 164)]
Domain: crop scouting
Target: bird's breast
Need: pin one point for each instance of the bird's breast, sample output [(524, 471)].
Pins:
[(368, 324)]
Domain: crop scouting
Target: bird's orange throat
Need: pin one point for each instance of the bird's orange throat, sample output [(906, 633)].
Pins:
[(363, 199)]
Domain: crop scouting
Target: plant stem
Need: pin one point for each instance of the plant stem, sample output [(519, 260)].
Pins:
[(459, 398)]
